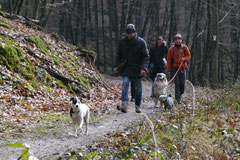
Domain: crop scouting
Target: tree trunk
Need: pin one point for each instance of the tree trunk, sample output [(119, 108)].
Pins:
[(190, 22), (103, 36), (213, 44), (10, 3), (90, 34), (139, 13), (123, 17), (26, 12), (19, 7), (43, 10), (50, 11), (36, 9), (195, 50), (146, 19), (205, 66), (111, 36), (171, 27), (79, 21), (84, 24), (112, 6), (96, 33), (235, 43), (165, 23)]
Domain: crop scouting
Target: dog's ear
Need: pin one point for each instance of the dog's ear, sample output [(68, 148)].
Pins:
[(71, 99), (80, 99)]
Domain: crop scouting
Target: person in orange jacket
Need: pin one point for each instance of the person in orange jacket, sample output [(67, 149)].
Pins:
[(178, 54)]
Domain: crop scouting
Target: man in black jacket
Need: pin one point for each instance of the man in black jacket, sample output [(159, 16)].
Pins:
[(133, 54)]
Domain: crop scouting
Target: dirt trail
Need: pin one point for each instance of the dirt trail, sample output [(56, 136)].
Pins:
[(52, 146)]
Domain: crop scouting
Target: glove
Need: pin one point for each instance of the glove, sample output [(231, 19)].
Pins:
[(142, 72), (182, 59), (115, 70)]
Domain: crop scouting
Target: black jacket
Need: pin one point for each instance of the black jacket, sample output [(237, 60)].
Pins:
[(157, 64), (136, 54)]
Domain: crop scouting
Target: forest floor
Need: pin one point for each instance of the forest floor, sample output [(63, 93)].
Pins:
[(51, 138)]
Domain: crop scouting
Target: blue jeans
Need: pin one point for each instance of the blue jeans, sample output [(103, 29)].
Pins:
[(137, 89)]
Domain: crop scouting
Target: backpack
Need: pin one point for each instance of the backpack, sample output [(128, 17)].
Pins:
[(172, 60)]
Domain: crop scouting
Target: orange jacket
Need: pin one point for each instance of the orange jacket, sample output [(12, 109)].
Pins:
[(178, 55)]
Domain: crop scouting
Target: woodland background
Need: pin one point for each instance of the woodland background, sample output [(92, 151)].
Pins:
[(99, 24)]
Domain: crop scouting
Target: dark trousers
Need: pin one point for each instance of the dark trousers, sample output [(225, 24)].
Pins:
[(179, 82), (132, 89)]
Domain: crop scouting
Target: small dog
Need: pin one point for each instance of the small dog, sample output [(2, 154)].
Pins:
[(168, 101), (78, 113), (159, 88)]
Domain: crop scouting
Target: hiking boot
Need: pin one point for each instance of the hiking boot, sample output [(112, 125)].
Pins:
[(179, 102), (118, 107), (124, 107), (137, 109)]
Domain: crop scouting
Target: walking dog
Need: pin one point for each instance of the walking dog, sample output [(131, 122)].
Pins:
[(79, 113), (159, 88)]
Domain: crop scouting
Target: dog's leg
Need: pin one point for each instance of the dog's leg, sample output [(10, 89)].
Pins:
[(155, 102), (161, 104), (86, 121), (80, 126), (75, 129)]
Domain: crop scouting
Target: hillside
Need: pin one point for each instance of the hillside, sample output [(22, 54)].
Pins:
[(40, 72)]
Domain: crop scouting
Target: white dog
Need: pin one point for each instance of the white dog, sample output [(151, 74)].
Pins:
[(79, 112), (159, 88)]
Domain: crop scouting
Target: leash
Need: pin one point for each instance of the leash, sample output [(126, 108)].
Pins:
[(176, 73)]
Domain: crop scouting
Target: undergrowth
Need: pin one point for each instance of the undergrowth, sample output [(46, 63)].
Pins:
[(214, 133)]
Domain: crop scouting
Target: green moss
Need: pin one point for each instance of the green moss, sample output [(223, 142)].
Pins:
[(69, 87), (5, 62), (72, 58), (73, 64), (60, 84), (54, 35), (10, 54), (2, 14), (67, 66), (35, 83), (24, 72), (84, 51), (48, 78), (39, 43), (56, 60), (5, 25), (10, 42), (2, 21), (29, 86)]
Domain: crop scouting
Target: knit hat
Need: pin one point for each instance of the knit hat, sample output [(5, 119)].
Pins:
[(178, 36), (130, 29)]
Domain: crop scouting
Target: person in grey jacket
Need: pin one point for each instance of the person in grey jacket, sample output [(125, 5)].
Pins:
[(133, 55)]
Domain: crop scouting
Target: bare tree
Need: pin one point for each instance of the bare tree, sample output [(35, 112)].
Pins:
[(213, 44)]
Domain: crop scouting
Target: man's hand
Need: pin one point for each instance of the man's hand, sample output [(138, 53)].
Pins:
[(115, 70), (182, 59), (143, 72)]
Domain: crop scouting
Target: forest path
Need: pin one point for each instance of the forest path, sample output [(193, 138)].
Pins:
[(54, 145)]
